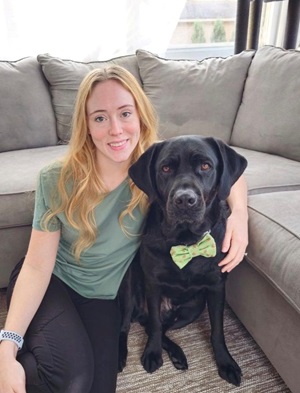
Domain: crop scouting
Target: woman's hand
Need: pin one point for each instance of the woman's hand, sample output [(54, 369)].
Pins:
[(235, 240), (236, 235), (12, 374)]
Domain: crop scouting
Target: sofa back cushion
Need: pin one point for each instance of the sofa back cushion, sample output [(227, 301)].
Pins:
[(26, 114), (269, 116), (65, 76), (195, 97)]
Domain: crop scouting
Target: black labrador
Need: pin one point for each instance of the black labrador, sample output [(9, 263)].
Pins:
[(176, 273)]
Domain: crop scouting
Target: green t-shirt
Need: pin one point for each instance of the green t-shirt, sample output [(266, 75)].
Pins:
[(101, 268)]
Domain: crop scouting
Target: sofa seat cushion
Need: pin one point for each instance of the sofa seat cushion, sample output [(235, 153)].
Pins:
[(18, 173), (268, 173), (26, 115), (274, 241), (195, 97)]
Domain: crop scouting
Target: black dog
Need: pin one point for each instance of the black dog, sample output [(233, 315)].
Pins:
[(187, 180)]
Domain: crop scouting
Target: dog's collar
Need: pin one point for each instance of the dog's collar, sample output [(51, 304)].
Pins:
[(183, 254)]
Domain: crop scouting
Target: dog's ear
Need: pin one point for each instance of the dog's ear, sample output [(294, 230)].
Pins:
[(142, 172), (232, 165)]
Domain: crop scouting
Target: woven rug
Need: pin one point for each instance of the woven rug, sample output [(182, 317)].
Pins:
[(258, 374)]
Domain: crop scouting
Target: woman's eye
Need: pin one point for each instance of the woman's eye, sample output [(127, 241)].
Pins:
[(126, 114), (99, 119), (205, 166)]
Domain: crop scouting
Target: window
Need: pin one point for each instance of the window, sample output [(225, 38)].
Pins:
[(205, 28), (273, 23)]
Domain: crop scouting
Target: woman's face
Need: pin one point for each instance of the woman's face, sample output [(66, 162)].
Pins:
[(113, 123)]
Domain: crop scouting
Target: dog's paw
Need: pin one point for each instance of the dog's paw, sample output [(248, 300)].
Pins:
[(121, 363), (176, 356), (123, 352), (231, 372), (179, 362), (151, 361)]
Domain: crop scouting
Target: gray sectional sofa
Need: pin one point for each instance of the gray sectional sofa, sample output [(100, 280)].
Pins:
[(250, 100)]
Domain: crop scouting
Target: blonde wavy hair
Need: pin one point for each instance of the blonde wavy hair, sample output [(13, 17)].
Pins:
[(78, 202)]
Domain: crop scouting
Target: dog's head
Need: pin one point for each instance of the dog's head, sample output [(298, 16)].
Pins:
[(184, 174)]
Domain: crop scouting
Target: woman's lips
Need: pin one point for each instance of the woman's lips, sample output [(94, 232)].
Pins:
[(118, 145)]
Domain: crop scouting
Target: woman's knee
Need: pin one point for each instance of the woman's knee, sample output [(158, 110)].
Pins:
[(76, 382), (67, 376), (77, 373), (60, 349)]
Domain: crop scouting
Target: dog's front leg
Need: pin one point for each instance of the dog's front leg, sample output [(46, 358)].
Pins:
[(152, 356), (228, 369), (126, 303)]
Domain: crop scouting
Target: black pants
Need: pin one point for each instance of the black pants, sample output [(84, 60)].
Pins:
[(71, 345)]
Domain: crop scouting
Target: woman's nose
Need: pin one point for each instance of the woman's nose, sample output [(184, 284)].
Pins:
[(115, 127)]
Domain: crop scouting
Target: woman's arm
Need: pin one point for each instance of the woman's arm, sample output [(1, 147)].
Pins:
[(28, 293), (236, 236)]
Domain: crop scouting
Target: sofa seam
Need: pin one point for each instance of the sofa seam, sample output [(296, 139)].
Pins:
[(275, 222)]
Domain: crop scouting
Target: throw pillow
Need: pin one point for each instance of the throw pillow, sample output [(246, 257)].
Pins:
[(268, 119), (26, 115), (65, 76), (195, 97)]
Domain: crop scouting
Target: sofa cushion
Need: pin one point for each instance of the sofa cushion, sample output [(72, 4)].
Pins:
[(268, 118), (26, 114), (18, 173), (195, 97), (274, 241), (65, 76), (268, 173)]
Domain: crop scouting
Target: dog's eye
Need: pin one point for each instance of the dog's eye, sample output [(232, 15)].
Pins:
[(205, 166), (166, 169)]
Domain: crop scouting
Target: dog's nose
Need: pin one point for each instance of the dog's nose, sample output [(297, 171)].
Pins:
[(185, 198)]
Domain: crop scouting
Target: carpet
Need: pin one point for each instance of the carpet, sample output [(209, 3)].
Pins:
[(259, 376)]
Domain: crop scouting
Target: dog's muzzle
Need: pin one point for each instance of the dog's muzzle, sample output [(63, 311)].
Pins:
[(185, 205), (185, 199), (185, 194)]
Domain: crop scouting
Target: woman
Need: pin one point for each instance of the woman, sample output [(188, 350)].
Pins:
[(86, 221)]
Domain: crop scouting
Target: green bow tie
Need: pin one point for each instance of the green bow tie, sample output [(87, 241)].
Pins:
[(182, 255)]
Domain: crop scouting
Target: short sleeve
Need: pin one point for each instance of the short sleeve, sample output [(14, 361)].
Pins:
[(44, 190)]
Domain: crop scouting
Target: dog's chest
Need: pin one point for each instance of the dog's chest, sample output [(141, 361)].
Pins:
[(175, 278), (197, 275)]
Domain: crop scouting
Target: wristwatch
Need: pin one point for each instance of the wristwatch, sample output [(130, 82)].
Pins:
[(11, 336)]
